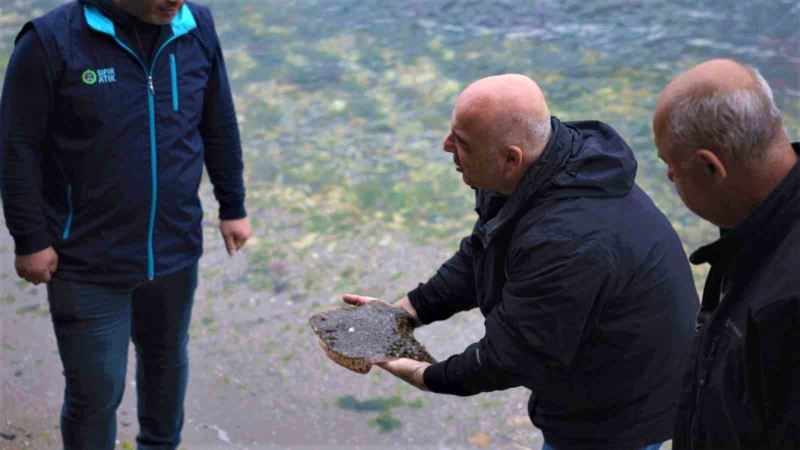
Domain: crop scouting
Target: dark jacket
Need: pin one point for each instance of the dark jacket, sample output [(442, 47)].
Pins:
[(587, 293), (103, 149), (742, 385)]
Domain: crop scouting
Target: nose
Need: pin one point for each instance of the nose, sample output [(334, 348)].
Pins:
[(448, 143)]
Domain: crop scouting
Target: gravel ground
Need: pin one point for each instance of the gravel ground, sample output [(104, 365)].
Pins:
[(258, 377)]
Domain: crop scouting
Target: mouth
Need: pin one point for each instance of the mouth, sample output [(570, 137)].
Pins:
[(170, 11)]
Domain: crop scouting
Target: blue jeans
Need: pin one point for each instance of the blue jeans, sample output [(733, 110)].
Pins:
[(649, 447), (93, 324)]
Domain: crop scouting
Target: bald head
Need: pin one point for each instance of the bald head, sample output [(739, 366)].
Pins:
[(499, 127), (721, 136), (721, 105), (510, 108)]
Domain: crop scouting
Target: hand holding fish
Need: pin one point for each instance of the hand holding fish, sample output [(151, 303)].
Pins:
[(404, 303), (370, 332), (409, 370)]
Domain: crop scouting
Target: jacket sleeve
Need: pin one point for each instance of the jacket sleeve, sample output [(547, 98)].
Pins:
[(25, 109), (220, 131), (451, 290), (552, 289), (778, 335)]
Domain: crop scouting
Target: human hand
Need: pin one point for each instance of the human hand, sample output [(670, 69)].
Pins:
[(37, 267), (235, 233), (409, 370), (358, 300), (404, 304)]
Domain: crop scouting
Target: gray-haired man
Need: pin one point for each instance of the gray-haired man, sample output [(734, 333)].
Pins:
[(721, 135)]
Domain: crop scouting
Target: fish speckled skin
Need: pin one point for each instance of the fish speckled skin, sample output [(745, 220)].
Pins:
[(356, 337)]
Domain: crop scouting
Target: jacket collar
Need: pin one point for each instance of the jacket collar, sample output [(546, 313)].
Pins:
[(99, 21), (559, 149), (769, 220)]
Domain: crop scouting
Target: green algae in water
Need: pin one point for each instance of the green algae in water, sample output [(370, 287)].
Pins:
[(385, 422)]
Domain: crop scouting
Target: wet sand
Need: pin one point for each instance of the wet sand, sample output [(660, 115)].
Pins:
[(258, 377)]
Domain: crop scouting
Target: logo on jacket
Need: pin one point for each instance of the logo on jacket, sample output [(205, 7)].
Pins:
[(101, 76)]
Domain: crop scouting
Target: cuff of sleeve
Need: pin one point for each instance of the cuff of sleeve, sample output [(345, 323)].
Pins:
[(447, 377), (435, 377), (31, 243), (232, 211), (418, 301)]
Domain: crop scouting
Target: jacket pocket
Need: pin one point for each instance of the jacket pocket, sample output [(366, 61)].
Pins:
[(173, 70), (70, 214)]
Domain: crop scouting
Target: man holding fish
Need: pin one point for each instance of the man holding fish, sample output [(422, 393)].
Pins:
[(587, 293)]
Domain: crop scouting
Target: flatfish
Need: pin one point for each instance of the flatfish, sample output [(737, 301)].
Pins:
[(356, 337)]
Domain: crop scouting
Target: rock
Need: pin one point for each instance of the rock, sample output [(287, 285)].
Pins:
[(480, 439), (7, 435)]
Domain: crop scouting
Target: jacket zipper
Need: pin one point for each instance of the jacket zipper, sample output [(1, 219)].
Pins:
[(173, 70), (699, 388), (707, 365), (151, 109), (68, 222)]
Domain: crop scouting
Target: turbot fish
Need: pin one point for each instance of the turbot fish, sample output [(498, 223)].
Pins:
[(356, 337)]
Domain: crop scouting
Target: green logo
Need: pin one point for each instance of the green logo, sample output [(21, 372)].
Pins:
[(89, 77)]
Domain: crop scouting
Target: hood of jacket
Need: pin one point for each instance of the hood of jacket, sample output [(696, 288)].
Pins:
[(581, 159)]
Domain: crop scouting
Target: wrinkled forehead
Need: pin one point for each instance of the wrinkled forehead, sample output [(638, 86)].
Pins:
[(471, 110)]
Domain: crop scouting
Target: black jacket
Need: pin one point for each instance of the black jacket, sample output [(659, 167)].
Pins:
[(587, 293), (742, 387)]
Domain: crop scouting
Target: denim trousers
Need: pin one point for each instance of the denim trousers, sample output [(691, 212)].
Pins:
[(93, 325)]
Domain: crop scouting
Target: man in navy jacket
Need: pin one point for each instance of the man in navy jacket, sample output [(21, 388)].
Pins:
[(586, 290), (732, 163), (110, 111)]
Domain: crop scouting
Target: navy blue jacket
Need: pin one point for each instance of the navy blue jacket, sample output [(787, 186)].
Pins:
[(103, 149), (587, 294), (742, 386)]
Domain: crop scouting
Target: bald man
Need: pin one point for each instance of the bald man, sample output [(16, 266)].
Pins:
[(722, 137), (587, 293)]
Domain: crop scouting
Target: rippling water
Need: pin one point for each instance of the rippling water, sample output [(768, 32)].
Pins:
[(342, 105), (356, 93)]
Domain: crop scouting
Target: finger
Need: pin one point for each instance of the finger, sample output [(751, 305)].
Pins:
[(240, 241), (32, 278), (230, 244), (358, 299), (384, 365), (395, 363), (25, 275)]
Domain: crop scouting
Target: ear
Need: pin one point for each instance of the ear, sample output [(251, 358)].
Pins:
[(512, 158), (712, 165)]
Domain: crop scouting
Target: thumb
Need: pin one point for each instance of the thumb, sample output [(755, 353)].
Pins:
[(240, 240), (53, 265), (354, 299), (230, 243)]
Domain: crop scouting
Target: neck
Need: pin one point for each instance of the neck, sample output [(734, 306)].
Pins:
[(122, 4), (762, 178), (126, 7), (511, 185)]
